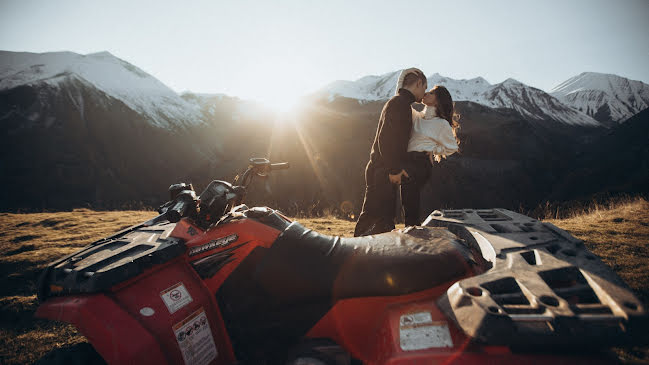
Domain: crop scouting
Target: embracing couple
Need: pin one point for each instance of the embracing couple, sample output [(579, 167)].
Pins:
[(407, 144)]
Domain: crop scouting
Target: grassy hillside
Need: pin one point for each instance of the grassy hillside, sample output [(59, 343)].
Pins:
[(28, 242), (618, 233)]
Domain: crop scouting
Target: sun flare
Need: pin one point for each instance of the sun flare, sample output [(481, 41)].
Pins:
[(283, 101), (279, 82)]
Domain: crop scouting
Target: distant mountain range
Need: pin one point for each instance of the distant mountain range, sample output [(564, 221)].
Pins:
[(94, 129), (589, 99), (104, 72)]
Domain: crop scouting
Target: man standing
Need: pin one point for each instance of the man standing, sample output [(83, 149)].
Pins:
[(388, 157)]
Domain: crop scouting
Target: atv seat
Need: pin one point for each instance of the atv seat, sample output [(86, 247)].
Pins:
[(292, 284), (305, 263)]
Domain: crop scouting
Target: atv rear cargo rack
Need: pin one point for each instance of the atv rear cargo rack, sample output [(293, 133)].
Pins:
[(542, 285)]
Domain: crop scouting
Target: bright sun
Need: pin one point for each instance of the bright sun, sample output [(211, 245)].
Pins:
[(282, 101), (279, 83)]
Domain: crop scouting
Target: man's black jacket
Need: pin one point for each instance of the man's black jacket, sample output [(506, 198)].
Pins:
[(389, 149)]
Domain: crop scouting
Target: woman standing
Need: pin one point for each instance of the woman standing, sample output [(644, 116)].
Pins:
[(433, 137)]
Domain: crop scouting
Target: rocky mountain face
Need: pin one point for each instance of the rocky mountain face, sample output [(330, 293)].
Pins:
[(71, 137), (617, 161), (608, 98), (116, 78), (532, 103)]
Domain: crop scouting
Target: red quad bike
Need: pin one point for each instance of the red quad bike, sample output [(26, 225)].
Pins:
[(212, 281)]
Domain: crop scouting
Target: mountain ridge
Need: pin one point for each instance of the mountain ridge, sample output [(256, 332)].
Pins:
[(529, 101), (121, 80), (608, 98), (588, 99)]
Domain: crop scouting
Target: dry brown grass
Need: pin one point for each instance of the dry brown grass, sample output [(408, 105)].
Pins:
[(28, 242), (619, 234)]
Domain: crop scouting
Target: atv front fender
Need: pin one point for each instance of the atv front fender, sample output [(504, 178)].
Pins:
[(115, 334)]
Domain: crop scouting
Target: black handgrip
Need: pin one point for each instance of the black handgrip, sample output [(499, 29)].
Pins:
[(177, 211), (280, 166)]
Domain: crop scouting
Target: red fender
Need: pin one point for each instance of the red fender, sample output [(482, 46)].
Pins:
[(118, 338)]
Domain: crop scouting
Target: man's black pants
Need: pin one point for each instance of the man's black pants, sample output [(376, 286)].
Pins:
[(419, 169), (377, 215)]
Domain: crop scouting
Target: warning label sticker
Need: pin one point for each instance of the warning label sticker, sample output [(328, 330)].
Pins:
[(417, 331), (176, 297), (195, 339)]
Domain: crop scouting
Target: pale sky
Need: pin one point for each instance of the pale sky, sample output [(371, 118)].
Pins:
[(247, 48)]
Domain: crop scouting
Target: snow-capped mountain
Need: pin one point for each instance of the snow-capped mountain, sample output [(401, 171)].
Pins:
[(529, 101), (532, 103), (116, 78), (605, 97), (368, 88), (383, 87), (470, 89)]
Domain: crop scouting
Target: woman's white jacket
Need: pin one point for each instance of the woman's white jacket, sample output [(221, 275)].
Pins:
[(431, 133)]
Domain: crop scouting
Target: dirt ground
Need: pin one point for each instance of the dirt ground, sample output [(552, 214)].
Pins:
[(619, 234)]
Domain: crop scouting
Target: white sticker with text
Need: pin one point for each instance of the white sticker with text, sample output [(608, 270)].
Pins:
[(176, 297), (418, 331), (195, 339)]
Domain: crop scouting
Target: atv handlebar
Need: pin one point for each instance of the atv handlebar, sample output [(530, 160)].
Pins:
[(280, 166), (177, 211), (180, 206), (217, 197), (260, 167)]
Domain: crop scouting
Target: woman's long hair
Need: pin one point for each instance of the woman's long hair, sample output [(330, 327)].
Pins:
[(445, 108)]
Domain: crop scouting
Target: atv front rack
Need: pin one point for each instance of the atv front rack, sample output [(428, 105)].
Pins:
[(542, 286), (111, 260)]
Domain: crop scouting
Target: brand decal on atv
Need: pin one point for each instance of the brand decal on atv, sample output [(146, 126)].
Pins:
[(176, 297), (417, 331), (217, 243), (194, 338), (191, 231)]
